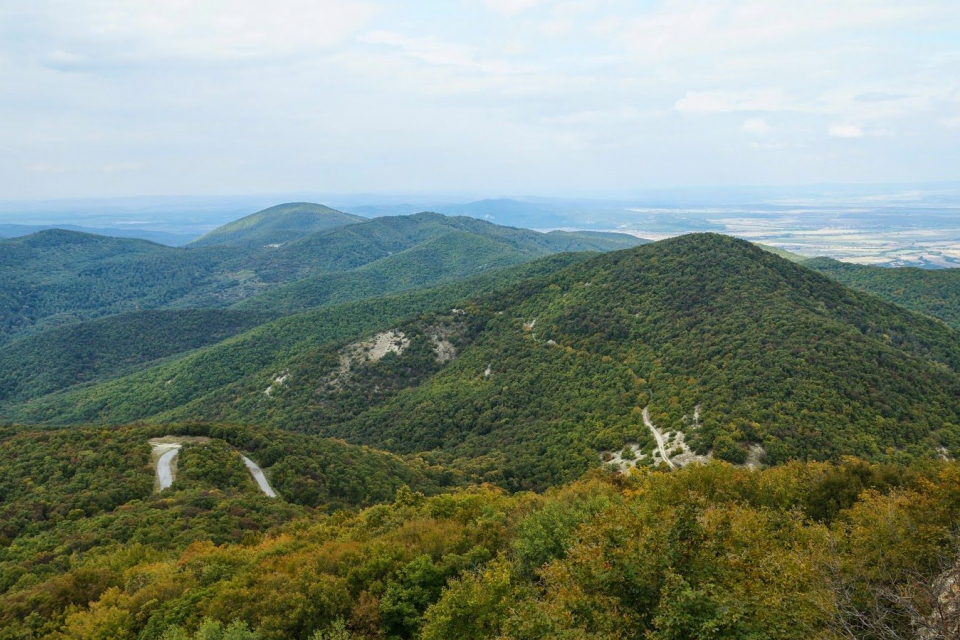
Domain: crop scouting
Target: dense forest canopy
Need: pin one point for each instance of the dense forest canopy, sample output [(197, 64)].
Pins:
[(548, 372), (58, 277), (798, 551), (472, 431), (935, 292)]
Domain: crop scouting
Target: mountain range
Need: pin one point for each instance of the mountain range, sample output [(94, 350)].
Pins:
[(456, 416), (57, 277)]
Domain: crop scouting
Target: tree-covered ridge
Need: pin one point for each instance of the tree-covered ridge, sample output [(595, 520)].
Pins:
[(547, 373), (246, 365), (353, 246), (772, 353), (109, 347), (452, 256), (277, 225), (73, 493), (59, 277), (935, 292), (800, 551)]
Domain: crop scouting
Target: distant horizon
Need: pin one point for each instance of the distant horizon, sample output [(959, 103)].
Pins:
[(888, 224), (308, 195)]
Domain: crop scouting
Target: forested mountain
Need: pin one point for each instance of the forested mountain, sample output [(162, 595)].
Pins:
[(770, 352), (524, 387), (935, 292), (109, 347), (59, 277), (258, 356), (161, 237), (277, 225), (68, 497), (358, 244), (446, 258), (404, 362)]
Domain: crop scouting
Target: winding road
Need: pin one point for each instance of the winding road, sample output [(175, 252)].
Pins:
[(658, 436), (259, 476), (166, 450), (166, 455)]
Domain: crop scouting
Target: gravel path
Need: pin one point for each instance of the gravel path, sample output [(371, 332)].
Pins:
[(659, 437)]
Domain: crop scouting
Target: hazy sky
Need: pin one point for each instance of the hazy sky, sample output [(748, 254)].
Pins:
[(118, 97)]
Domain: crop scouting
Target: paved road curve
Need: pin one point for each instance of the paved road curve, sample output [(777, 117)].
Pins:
[(168, 453), (259, 476)]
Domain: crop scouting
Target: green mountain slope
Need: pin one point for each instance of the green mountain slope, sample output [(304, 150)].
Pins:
[(708, 552), (770, 352), (592, 241), (59, 277), (254, 359), (171, 239), (783, 253), (449, 257), (526, 386), (933, 292), (109, 347), (353, 246), (70, 494), (277, 225)]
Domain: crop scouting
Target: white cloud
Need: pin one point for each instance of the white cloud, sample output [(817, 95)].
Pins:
[(731, 101), (437, 52), (510, 7), (237, 30), (756, 126), (234, 95), (845, 131)]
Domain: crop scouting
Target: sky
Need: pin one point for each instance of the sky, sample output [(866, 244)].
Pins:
[(102, 98)]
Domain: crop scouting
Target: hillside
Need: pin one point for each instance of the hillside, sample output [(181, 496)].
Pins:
[(804, 551), (168, 238), (770, 352), (353, 246), (110, 347), (935, 292), (783, 253), (276, 226), (729, 344), (57, 277), (71, 495), (450, 257), (255, 358), (518, 372)]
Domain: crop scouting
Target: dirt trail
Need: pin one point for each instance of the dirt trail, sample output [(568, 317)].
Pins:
[(658, 436)]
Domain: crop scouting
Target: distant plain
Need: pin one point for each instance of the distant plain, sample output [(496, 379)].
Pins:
[(883, 225)]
